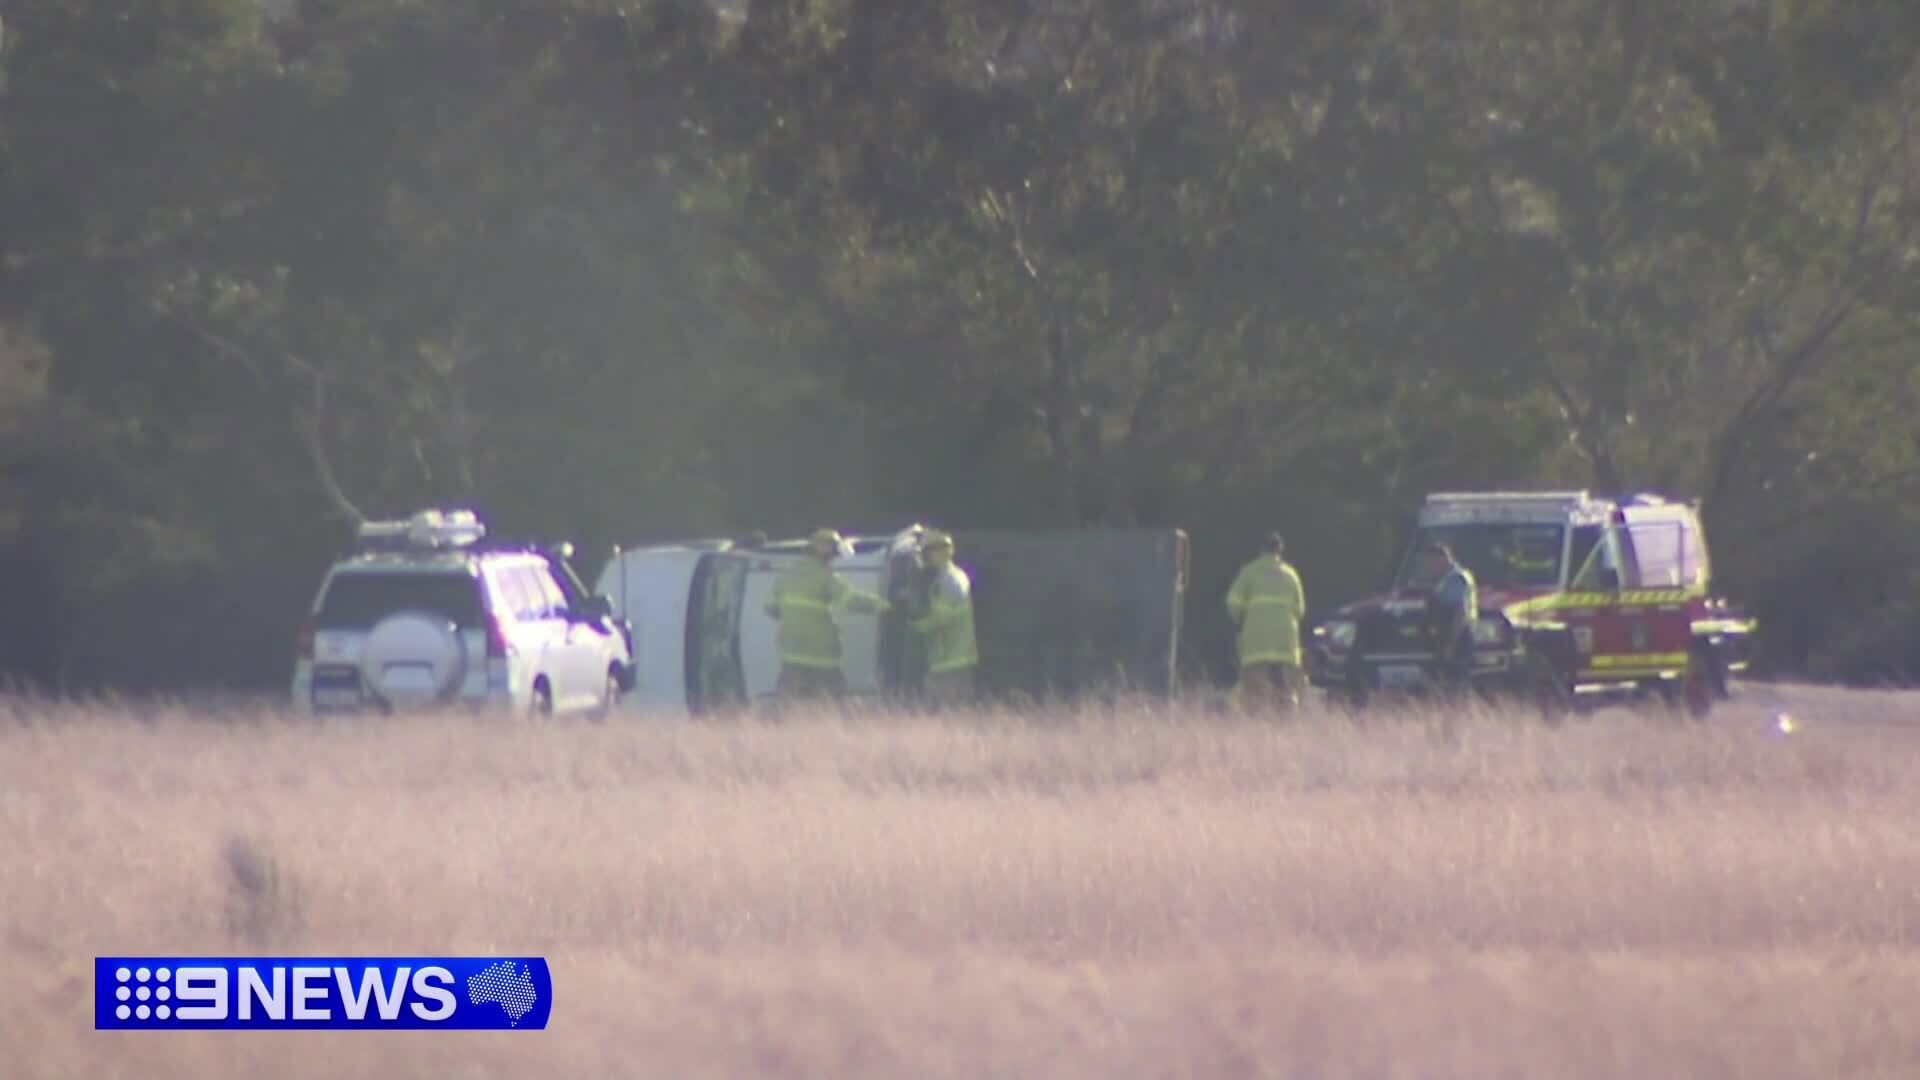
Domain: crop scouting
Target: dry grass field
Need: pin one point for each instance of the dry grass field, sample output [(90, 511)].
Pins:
[(1123, 893)]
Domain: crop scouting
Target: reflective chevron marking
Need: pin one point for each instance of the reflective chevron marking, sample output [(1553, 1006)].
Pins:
[(1593, 600), (1648, 660)]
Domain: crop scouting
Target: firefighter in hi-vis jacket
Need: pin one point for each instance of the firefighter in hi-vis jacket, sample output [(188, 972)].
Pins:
[(1454, 604), (946, 627), (805, 598), (1266, 603)]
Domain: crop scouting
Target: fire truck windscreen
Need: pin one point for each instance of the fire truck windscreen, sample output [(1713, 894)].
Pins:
[(1501, 555)]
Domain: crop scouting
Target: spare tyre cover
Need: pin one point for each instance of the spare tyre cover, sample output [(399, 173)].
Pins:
[(414, 658)]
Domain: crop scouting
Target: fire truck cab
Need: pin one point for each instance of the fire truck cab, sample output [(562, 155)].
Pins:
[(1581, 598)]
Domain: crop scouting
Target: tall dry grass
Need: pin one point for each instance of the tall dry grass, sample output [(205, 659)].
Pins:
[(1136, 892)]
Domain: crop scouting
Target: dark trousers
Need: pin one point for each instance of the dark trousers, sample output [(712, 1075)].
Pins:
[(950, 689), (1270, 683), (1455, 653), (810, 684)]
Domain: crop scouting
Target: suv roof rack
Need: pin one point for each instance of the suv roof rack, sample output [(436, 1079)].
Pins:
[(436, 530), (428, 530)]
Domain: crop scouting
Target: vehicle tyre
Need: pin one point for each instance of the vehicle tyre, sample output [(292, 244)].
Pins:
[(1547, 690), (609, 695), (1722, 680), (1698, 687), (1353, 694), (541, 706)]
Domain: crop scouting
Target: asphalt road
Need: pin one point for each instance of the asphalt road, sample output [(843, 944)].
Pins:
[(1805, 709)]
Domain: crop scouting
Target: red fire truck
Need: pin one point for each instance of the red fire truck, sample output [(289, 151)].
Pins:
[(1581, 598)]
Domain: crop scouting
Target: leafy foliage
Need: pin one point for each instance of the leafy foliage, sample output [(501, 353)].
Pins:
[(645, 269)]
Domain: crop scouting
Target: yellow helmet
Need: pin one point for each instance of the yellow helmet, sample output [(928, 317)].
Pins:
[(935, 540), (825, 541)]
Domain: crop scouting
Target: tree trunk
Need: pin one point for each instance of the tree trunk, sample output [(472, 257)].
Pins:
[(1063, 424)]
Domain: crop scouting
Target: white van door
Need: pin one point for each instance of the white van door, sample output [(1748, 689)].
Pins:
[(859, 632), (650, 590)]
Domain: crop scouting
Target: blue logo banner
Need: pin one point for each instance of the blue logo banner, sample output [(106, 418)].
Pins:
[(161, 993)]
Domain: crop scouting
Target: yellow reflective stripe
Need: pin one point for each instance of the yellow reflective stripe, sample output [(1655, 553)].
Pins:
[(956, 664), (1268, 601), (1653, 596), (1268, 657), (807, 661), (943, 612), (803, 603), (1624, 598), (1638, 660)]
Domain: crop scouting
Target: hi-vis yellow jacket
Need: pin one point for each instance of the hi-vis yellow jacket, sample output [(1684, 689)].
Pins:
[(948, 623), (804, 600), (1267, 602)]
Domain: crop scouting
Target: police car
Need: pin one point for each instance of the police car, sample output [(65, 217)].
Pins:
[(427, 612)]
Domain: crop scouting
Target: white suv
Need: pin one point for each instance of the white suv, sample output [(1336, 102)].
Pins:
[(426, 614)]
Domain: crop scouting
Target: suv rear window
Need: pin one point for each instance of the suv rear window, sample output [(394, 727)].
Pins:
[(357, 601)]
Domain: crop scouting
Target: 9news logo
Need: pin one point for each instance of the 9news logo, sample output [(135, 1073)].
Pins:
[(135, 993)]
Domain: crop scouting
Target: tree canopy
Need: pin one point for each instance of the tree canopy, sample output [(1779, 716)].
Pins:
[(631, 270)]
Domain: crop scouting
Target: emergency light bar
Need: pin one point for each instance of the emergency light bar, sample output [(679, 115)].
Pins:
[(1547, 498), (1510, 507), (429, 529)]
